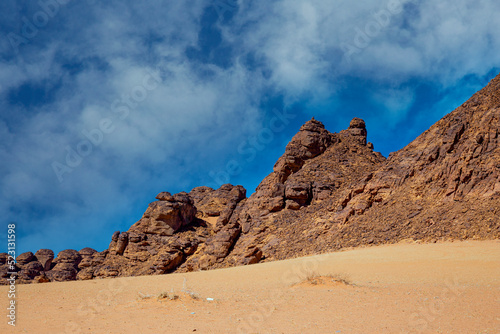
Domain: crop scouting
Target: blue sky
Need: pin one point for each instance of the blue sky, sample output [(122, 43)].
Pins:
[(104, 105)]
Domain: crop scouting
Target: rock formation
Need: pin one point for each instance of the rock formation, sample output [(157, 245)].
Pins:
[(328, 191)]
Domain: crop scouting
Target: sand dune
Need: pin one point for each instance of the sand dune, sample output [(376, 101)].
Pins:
[(404, 288)]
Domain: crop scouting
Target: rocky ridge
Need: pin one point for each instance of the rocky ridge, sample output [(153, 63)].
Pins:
[(328, 191)]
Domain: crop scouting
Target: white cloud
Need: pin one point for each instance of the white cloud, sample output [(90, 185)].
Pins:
[(298, 37)]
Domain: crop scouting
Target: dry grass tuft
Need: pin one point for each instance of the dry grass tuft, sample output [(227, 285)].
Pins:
[(171, 295), (315, 279), (168, 295)]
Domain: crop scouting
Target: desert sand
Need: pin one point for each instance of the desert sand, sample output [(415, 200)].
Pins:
[(451, 287)]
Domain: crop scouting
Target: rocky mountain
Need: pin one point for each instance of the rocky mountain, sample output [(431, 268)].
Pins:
[(328, 191)]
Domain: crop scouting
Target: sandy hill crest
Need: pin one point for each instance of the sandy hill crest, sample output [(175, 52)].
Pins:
[(328, 191)]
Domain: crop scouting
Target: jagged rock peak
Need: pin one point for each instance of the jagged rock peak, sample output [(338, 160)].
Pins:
[(328, 191), (357, 128), (310, 141), (357, 123), (313, 125)]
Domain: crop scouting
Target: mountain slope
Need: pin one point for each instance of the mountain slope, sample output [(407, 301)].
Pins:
[(328, 191)]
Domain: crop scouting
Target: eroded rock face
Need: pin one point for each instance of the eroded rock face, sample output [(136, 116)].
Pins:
[(357, 129), (31, 270), (66, 266), (63, 272), (327, 164), (312, 140), (299, 192), (45, 257), (328, 191), (70, 256), (212, 203), (87, 255), (147, 249), (270, 196), (164, 217), (3, 258), (25, 258)]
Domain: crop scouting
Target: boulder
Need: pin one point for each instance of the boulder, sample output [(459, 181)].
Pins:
[(31, 270), (87, 252), (87, 257), (312, 140), (164, 218), (85, 274), (68, 256), (25, 258), (292, 205), (165, 196), (252, 256), (115, 236), (213, 203), (221, 243), (107, 271), (42, 278), (63, 271), (299, 192), (45, 257), (167, 261), (3, 258), (134, 237)]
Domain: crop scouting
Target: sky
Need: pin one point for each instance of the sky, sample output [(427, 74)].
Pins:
[(105, 104)]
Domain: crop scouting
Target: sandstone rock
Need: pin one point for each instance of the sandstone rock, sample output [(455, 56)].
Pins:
[(87, 252), (167, 261), (63, 271), (87, 257), (99, 257), (357, 129), (222, 242), (321, 190), (85, 274), (312, 140), (199, 194), (213, 203), (107, 271), (165, 196), (121, 243), (45, 257), (252, 256), (25, 258), (3, 258), (165, 217), (31, 270), (134, 237), (68, 256), (299, 192), (328, 191), (292, 205), (115, 236), (41, 279)]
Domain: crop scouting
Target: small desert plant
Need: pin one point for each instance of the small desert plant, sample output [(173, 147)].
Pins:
[(163, 295), (188, 292), (171, 295), (168, 295), (315, 279)]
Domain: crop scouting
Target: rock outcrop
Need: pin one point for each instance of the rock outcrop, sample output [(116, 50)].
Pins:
[(328, 191), (164, 217), (45, 257)]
